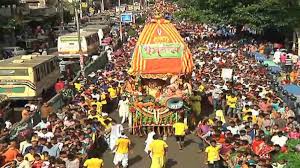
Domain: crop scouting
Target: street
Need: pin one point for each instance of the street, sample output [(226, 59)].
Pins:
[(189, 157)]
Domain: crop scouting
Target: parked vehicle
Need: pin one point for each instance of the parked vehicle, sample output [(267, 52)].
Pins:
[(12, 51), (29, 76), (68, 46)]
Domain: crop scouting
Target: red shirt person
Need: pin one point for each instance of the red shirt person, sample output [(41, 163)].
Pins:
[(59, 85)]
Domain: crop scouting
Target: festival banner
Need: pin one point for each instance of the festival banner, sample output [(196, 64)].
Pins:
[(163, 50)]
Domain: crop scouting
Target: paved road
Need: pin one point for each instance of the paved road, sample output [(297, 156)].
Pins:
[(187, 158)]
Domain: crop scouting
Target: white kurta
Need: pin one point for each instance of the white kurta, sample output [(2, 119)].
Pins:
[(115, 133), (149, 140), (124, 109)]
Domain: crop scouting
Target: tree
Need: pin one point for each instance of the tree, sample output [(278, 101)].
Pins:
[(257, 14), (9, 2)]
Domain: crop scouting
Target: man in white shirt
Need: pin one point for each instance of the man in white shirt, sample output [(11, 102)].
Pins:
[(24, 145), (45, 134), (217, 59), (21, 162), (124, 109), (95, 96), (276, 57), (294, 58), (109, 54), (216, 92), (255, 111), (233, 128), (279, 139), (43, 124), (115, 133), (149, 140)]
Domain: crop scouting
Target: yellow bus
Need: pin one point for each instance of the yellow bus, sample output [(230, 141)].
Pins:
[(68, 46), (29, 76)]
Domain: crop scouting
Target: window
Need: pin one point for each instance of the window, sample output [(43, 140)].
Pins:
[(88, 41), (13, 72), (48, 69), (52, 66), (43, 71), (37, 74)]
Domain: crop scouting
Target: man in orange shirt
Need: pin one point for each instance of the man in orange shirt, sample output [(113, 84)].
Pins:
[(11, 153)]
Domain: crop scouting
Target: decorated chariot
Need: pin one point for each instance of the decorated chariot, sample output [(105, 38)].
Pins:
[(160, 69)]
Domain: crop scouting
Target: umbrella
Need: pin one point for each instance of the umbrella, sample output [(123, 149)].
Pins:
[(259, 57), (270, 63), (275, 69), (294, 89)]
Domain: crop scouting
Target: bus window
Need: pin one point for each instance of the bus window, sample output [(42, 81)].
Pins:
[(88, 41), (48, 70), (52, 66), (13, 72), (43, 71), (37, 74)]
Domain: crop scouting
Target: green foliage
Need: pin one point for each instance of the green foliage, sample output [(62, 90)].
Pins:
[(141, 20), (11, 24), (258, 14), (292, 157)]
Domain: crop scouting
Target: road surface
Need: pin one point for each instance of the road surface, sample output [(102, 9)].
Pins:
[(190, 157)]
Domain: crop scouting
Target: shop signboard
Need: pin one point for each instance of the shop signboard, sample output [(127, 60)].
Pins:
[(130, 7), (126, 17)]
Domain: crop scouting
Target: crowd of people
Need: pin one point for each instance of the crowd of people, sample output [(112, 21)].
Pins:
[(248, 126)]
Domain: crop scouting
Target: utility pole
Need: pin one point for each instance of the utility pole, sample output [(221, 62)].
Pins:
[(61, 7), (121, 34), (102, 6), (79, 40), (80, 9)]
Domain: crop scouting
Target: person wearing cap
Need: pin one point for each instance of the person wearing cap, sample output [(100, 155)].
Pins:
[(122, 149), (34, 145)]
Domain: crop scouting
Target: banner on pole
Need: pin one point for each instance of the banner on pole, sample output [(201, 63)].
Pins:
[(227, 73)]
